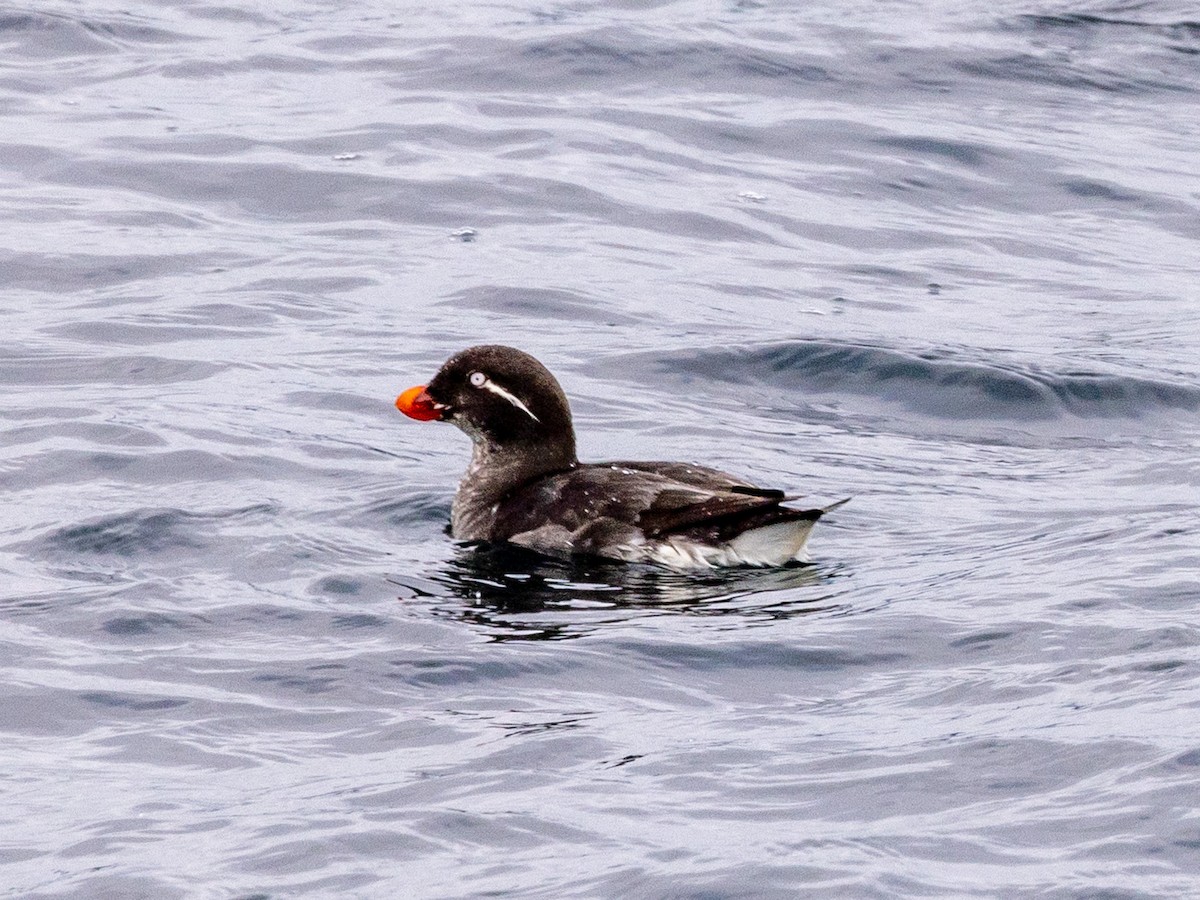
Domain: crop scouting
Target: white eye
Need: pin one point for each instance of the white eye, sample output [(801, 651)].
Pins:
[(478, 378)]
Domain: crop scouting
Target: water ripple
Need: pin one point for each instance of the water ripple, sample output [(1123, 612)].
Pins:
[(934, 383)]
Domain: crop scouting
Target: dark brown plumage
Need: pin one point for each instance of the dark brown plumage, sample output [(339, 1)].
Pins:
[(525, 485)]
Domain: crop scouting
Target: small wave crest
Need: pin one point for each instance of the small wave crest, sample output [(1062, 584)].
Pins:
[(148, 530), (933, 383)]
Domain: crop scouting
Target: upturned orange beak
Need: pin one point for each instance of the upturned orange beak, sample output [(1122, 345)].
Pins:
[(416, 404)]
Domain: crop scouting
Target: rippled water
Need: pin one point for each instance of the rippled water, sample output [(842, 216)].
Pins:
[(942, 257)]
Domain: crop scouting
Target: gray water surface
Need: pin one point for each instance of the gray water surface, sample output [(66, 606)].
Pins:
[(940, 257)]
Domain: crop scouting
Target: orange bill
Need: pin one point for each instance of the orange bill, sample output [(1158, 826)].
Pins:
[(416, 404)]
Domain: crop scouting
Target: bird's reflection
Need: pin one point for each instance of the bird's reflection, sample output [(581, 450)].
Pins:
[(515, 594)]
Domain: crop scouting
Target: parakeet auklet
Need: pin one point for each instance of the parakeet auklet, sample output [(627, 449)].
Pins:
[(525, 485)]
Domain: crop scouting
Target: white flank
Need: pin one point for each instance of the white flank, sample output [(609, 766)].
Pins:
[(769, 545), (773, 545), (490, 385)]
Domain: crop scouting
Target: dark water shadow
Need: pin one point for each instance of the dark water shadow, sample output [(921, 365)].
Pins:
[(515, 594)]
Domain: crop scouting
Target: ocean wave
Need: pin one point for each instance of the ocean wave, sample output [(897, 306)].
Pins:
[(39, 369), (50, 35), (933, 383), (147, 530)]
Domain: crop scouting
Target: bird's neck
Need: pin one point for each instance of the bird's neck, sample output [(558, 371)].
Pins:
[(494, 473)]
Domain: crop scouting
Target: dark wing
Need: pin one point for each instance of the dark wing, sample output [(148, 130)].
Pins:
[(675, 511), (610, 498), (702, 477)]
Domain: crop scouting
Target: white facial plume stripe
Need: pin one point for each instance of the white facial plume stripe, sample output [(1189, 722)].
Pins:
[(489, 385)]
